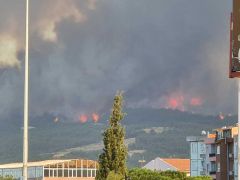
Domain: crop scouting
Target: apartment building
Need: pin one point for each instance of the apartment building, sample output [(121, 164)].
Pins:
[(210, 160), (225, 152), (197, 155)]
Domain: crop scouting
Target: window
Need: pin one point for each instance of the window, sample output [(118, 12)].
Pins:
[(85, 173), (46, 172), (218, 149), (65, 173), (60, 173), (194, 147), (227, 133), (218, 167), (79, 173)]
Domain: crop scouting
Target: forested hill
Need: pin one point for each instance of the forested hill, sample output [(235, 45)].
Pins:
[(149, 133)]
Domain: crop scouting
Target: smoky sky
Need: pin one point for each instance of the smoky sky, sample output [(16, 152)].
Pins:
[(83, 51)]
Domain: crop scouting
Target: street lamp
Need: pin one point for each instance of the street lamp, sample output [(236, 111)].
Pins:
[(25, 131)]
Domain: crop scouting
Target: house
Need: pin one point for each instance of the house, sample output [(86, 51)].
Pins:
[(172, 164)]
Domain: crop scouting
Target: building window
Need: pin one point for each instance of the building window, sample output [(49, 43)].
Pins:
[(218, 149), (65, 173), (60, 173), (46, 172), (194, 147), (218, 167)]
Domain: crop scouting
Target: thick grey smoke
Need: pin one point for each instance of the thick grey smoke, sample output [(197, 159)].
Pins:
[(82, 52)]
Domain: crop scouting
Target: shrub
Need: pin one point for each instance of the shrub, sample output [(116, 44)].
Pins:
[(199, 178), (174, 174), (114, 176), (146, 174), (6, 178)]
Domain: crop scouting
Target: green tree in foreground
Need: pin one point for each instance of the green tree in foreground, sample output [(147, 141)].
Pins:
[(114, 153), (114, 176)]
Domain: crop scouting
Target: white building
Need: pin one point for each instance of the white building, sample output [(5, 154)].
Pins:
[(197, 155)]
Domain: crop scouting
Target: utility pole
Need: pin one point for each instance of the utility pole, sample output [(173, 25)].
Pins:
[(25, 133)]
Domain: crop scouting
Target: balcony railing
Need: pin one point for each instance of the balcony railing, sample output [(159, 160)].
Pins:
[(212, 154), (212, 172)]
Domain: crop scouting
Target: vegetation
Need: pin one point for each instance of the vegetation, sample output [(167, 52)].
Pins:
[(114, 153), (6, 178), (199, 178), (114, 176), (48, 136), (146, 174)]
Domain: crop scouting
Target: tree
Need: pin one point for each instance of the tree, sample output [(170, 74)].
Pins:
[(114, 176), (114, 153), (6, 178)]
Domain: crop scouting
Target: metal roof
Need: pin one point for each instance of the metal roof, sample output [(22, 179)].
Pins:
[(33, 164)]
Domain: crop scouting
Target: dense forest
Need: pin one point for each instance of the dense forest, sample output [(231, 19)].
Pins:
[(150, 133)]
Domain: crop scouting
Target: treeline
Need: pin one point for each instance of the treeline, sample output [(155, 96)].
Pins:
[(146, 174), (6, 178)]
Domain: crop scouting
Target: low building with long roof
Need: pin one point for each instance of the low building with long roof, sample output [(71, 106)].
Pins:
[(77, 169)]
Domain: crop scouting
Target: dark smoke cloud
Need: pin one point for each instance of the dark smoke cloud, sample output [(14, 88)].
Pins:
[(149, 49)]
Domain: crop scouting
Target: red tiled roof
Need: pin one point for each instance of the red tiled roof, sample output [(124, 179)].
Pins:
[(181, 164)]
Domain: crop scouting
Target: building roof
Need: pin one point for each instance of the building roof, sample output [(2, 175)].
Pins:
[(173, 164), (180, 164), (211, 135), (34, 164), (225, 128), (195, 138)]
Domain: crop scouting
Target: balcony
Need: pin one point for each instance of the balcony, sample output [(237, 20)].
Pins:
[(212, 154), (212, 172)]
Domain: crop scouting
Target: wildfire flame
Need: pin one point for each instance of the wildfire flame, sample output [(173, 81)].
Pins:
[(196, 101), (83, 118), (176, 103), (95, 117)]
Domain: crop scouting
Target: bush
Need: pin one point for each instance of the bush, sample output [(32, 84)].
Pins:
[(174, 174), (146, 174), (6, 178), (114, 176), (199, 178)]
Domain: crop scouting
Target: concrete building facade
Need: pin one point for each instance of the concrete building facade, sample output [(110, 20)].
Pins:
[(225, 152), (197, 155), (210, 161)]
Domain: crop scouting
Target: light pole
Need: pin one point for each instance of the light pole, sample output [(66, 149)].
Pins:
[(25, 131)]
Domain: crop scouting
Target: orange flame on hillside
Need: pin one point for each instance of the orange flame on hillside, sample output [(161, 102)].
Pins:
[(95, 117), (176, 102), (196, 101), (83, 118)]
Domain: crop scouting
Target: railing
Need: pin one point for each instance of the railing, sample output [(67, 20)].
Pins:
[(212, 154), (212, 172)]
